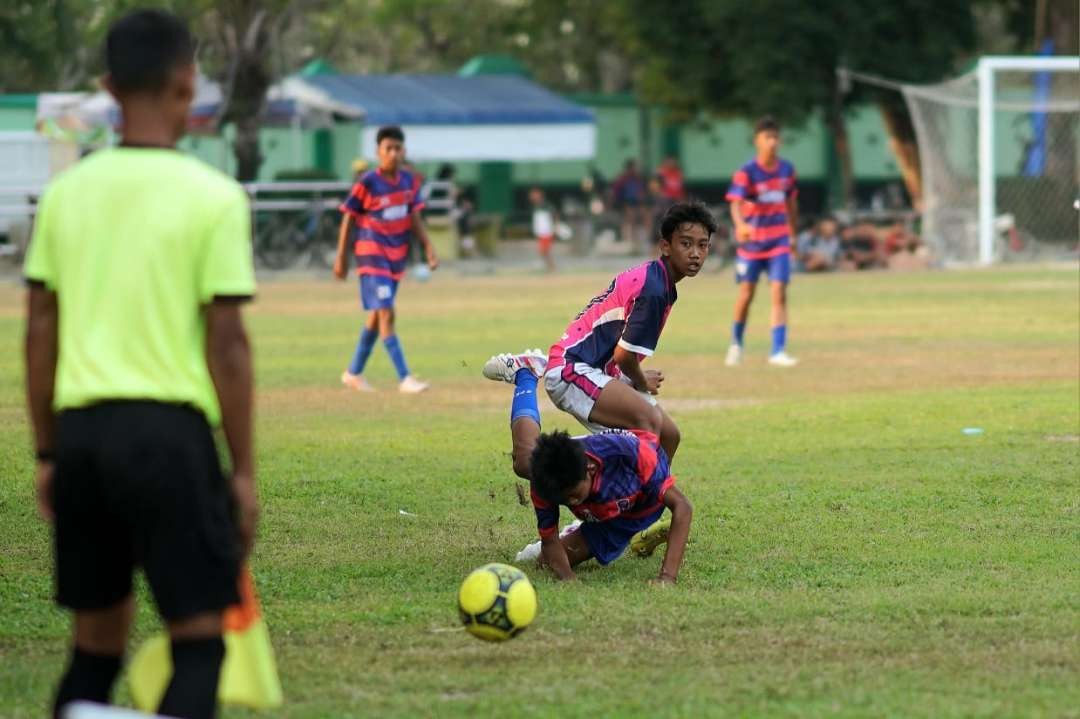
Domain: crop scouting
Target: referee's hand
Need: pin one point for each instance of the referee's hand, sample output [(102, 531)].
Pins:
[(43, 480), (247, 511)]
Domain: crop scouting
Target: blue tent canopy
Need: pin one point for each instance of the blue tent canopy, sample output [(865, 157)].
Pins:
[(450, 100)]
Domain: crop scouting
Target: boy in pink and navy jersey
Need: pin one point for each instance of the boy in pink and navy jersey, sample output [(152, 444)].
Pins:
[(764, 209), (384, 206), (618, 329)]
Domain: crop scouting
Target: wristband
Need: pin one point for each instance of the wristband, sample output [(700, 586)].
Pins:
[(45, 455)]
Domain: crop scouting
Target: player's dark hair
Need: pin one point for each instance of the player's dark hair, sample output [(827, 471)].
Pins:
[(391, 132), (556, 466), (766, 124), (144, 47), (682, 213)]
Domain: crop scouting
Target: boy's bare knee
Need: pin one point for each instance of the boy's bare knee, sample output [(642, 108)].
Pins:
[(521, 466)]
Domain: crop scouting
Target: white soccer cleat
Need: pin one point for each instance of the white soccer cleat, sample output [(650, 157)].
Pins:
[(783, 359), (411, 385), (734, 356), (505, 366), (356, 382), (530, 553)]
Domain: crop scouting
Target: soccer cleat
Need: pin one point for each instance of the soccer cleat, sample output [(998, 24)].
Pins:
[(505, 366), (411, 385), (783, 359), (530, 553), (734, 356), (356, 382), (646, 541)]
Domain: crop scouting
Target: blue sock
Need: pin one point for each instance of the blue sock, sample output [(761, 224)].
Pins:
[(524, 396), (737, 330), (779, 338), (397, 356), (363, 350)]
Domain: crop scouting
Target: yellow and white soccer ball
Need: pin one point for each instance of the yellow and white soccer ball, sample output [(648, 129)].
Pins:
[(496, 602)]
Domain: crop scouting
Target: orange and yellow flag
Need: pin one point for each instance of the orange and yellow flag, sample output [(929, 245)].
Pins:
[(248, 675)]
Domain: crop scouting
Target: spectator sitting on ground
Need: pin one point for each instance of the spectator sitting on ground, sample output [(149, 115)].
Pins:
[(820, 247), (671, 179), (862, 248), (659, 202)]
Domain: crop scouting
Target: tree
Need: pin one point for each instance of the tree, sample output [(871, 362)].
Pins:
[(780, 57)]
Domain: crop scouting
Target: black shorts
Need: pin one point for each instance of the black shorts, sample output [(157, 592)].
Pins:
[(140, 484)]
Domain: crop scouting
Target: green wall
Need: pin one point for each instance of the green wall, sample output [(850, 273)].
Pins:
[(18, 112)]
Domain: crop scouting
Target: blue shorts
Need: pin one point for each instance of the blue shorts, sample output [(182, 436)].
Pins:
[(608, 540), (779, 268), (377, 292)]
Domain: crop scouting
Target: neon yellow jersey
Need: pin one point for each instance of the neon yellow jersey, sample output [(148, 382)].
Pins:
[(135, 242)]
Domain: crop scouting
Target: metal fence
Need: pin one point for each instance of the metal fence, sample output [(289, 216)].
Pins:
[(294, 224)]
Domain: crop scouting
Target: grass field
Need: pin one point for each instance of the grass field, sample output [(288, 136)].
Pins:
[(853, 553)]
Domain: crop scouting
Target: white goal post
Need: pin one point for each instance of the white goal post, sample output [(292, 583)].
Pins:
[(986, 72)]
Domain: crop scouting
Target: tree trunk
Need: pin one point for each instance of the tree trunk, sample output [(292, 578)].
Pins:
[(905, 149), (246, 149), (837, 125)]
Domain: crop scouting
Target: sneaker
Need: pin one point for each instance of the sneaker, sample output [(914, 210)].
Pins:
[(783, 359), (505, 366), (646, 541), (411, 385), (356, 382), (530, 553), (734, 356)]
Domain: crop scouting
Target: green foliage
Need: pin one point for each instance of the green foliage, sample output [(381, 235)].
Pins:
[(780, 56)]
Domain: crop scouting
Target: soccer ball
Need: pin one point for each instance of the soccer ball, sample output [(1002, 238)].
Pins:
[(496, 602)]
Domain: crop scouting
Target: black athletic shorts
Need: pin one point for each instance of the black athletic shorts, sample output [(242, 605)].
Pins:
[(140, 484)]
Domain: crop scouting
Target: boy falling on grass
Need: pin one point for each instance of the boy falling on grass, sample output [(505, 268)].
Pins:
[(385, 206), (764, 208), (618, 479), (617, 483)]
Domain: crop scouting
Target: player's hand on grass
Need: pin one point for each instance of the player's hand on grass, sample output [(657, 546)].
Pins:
[(247, 511), (653, 379), (662, 580), (43, 480), (340, 268)]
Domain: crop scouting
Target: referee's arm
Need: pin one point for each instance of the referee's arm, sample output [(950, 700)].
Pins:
[(41, 353), (228, 356)]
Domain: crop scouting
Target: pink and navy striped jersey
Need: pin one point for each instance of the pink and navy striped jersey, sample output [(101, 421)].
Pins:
[(632, 477), (764, 195), (630, 313), (383, 212)]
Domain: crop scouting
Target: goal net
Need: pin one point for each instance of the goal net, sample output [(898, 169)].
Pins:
[(1000, 162)]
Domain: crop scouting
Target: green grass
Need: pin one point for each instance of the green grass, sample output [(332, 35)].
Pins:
[(853, 553)]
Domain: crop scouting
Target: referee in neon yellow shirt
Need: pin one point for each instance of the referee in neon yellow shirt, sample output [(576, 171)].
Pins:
[(135, 348)]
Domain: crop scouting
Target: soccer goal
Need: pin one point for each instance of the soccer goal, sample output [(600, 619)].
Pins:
[(1000, 162)]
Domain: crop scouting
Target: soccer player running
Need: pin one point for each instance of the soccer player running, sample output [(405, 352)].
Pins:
[(135, 347), (384, 205), (764, 209)]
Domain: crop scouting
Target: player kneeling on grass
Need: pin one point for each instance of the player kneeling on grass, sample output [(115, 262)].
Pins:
[(616, 482)]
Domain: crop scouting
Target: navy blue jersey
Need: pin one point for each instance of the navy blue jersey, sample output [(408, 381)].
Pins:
[(630, 313), (631, 479)]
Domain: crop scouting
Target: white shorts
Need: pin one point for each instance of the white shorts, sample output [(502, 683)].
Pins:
[(575, 387)]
